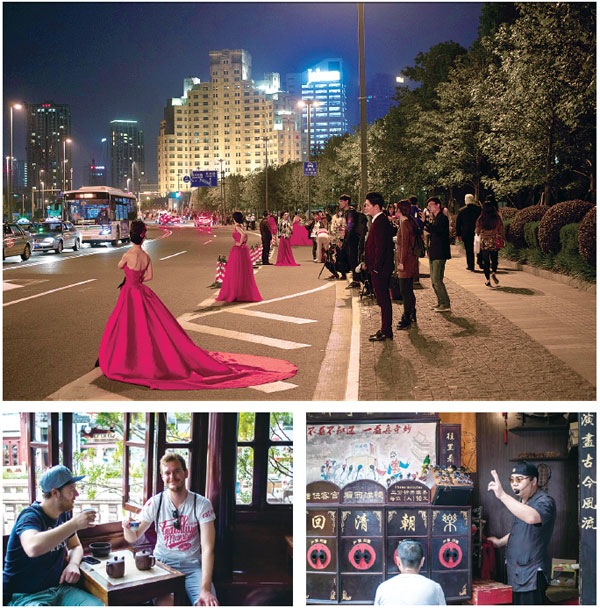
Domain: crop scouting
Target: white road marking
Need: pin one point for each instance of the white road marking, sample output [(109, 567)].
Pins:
[(7, 286), (270, 315), (239, 335), (274, 387), (172, 256), (45, 293), (207, 242), (83, 389), (354, 357)]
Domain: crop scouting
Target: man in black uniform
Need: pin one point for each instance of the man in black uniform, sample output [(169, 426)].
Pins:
[(265, 236), (354, 236), (527, 559)]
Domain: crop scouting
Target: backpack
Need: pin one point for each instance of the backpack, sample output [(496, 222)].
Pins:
[(418, 249)]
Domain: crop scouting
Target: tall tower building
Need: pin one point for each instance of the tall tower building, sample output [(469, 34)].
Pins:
[(225, 123), (96, 174), (48, 126), (324, 83), (126, 146)]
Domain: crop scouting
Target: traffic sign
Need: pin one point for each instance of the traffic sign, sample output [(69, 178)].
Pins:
[(81, 419), (186, 178), (310, 168), (204, 179)]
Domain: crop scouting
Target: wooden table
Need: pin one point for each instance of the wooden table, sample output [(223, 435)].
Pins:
[(133, 593)]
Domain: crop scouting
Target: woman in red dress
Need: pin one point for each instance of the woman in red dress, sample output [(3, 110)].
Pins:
[(238, 283), (285, 257), (144, 344)]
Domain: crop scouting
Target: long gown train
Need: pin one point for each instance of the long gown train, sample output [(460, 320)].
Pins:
[(285, 257), (300, 236), (144, 344)]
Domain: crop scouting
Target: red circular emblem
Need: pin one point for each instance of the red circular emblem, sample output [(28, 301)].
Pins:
[(450, 555), (9, 242), (362, 556), (318, 556)]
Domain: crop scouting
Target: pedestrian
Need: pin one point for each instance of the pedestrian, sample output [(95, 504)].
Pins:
[(285, 257), (465, 227), (322, 238), (490, 228), (438, 228), (354, 237), (528, 564), (379, 261), (144, 344), (238, 283), (266, 237), (407, 263), (312, 228), (337, 228), (415, 212)]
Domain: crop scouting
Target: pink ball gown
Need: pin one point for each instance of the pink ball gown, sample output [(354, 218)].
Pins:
[(300, 236), (144, 344), (238, 283), (285, 257)]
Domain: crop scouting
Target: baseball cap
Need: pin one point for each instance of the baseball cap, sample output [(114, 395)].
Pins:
[(57, 477), (522, 467)]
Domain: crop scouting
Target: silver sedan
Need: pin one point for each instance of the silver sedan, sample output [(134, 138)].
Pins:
[(55, 235)]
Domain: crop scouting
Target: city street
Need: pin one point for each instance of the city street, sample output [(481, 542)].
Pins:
[(56, 307)]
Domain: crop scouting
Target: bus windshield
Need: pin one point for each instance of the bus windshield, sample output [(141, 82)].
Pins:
[(99, 213)]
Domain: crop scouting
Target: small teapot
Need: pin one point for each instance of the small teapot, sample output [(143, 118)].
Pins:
[(115, 567), (144, 560)]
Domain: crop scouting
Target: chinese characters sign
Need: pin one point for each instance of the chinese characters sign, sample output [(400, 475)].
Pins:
[(588, 512), (450, 444)]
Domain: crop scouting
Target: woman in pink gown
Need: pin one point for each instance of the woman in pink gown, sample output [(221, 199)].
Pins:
[(285, 257), (299, 233), (144, 344), (238, 283)]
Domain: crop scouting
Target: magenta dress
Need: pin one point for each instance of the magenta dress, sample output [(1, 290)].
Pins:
[(238, 283), (144, 344), (285, 257), (300, 235)]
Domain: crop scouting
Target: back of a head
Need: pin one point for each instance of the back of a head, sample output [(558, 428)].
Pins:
[(410, 554), (137, 232), (265, 214), (469, 199), (238, 217), (489, 216), (404, 207), (413, 200)]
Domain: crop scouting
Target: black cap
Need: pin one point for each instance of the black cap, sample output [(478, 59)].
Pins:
[(522, 467)]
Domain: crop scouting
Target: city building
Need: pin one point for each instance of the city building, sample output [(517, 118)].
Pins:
[(126, 147), (224, 123), (381, 90), (48, 157), (96, 175), (323, 83)]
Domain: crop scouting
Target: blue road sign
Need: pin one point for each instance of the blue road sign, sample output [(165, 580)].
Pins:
[(310, 168), (204, 179), (186, 178)]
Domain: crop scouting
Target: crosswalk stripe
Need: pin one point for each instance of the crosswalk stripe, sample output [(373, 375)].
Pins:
[(83, 389), (240, 335), (45, 293), (7, 286), (274, 387), (270, 315), (172, 256)]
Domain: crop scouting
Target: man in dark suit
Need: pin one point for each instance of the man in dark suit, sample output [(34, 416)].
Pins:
[(379, 260), (465, 227), (265, 235)]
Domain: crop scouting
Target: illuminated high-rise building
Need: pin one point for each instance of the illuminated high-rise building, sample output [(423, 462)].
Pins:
[(48, 126), (96, 174), (225, 123), (126, 146), (381, 90)]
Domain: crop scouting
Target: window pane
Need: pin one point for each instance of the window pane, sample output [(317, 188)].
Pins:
[(244, 469), (41, 460), (40, 432), (136, 476), (179, 427), (137, 427), (281, 426), (246, 426), (98, 454), (280, 485)]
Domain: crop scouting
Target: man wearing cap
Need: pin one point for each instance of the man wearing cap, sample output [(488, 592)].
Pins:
[(409, 587), (527, 559), (44, 552)]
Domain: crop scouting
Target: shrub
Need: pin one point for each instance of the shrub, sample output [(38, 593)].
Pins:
[(507, 212), (555, 218), (587, 237), (568, 238), (522, 217), (530, 232)]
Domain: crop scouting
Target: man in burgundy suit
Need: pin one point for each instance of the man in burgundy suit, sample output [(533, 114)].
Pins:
[(379, 260)]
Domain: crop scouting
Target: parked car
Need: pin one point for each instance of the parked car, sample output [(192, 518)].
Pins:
[(55, 235), (15, 241)]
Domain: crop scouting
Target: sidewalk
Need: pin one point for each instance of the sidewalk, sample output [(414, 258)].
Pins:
[(530, 338)]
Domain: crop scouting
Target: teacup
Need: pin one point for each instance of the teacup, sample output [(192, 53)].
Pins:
[(144, 560), (115, 567)]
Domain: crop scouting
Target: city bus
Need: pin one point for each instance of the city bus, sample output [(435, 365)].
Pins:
[(101, 213)]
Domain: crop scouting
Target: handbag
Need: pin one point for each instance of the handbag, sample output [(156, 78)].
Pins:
[(498, 242), (477, 244)]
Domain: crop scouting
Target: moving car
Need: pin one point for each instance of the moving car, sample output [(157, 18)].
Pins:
[(55, 235), (15, 241), (204, 221)]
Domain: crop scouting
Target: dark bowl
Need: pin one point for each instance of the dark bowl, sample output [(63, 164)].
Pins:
[(100, 549)]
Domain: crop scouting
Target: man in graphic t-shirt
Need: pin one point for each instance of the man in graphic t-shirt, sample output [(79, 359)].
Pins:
[(184, 529)]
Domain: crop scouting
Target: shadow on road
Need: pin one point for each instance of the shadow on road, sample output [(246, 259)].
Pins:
[(430, 348), (469, 327), (521, 291)]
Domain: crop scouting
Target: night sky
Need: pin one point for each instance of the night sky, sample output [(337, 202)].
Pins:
[(124, 60)]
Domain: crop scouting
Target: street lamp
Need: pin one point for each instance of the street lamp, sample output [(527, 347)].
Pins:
[(309, 103), (62, 207), (13, 106), (43, 197), (266, 140)]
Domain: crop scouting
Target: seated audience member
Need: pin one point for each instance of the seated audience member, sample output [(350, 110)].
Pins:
[(43, 555), (409, 587)]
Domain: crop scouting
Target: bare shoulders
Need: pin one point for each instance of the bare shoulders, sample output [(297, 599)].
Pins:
[(137, 260)]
